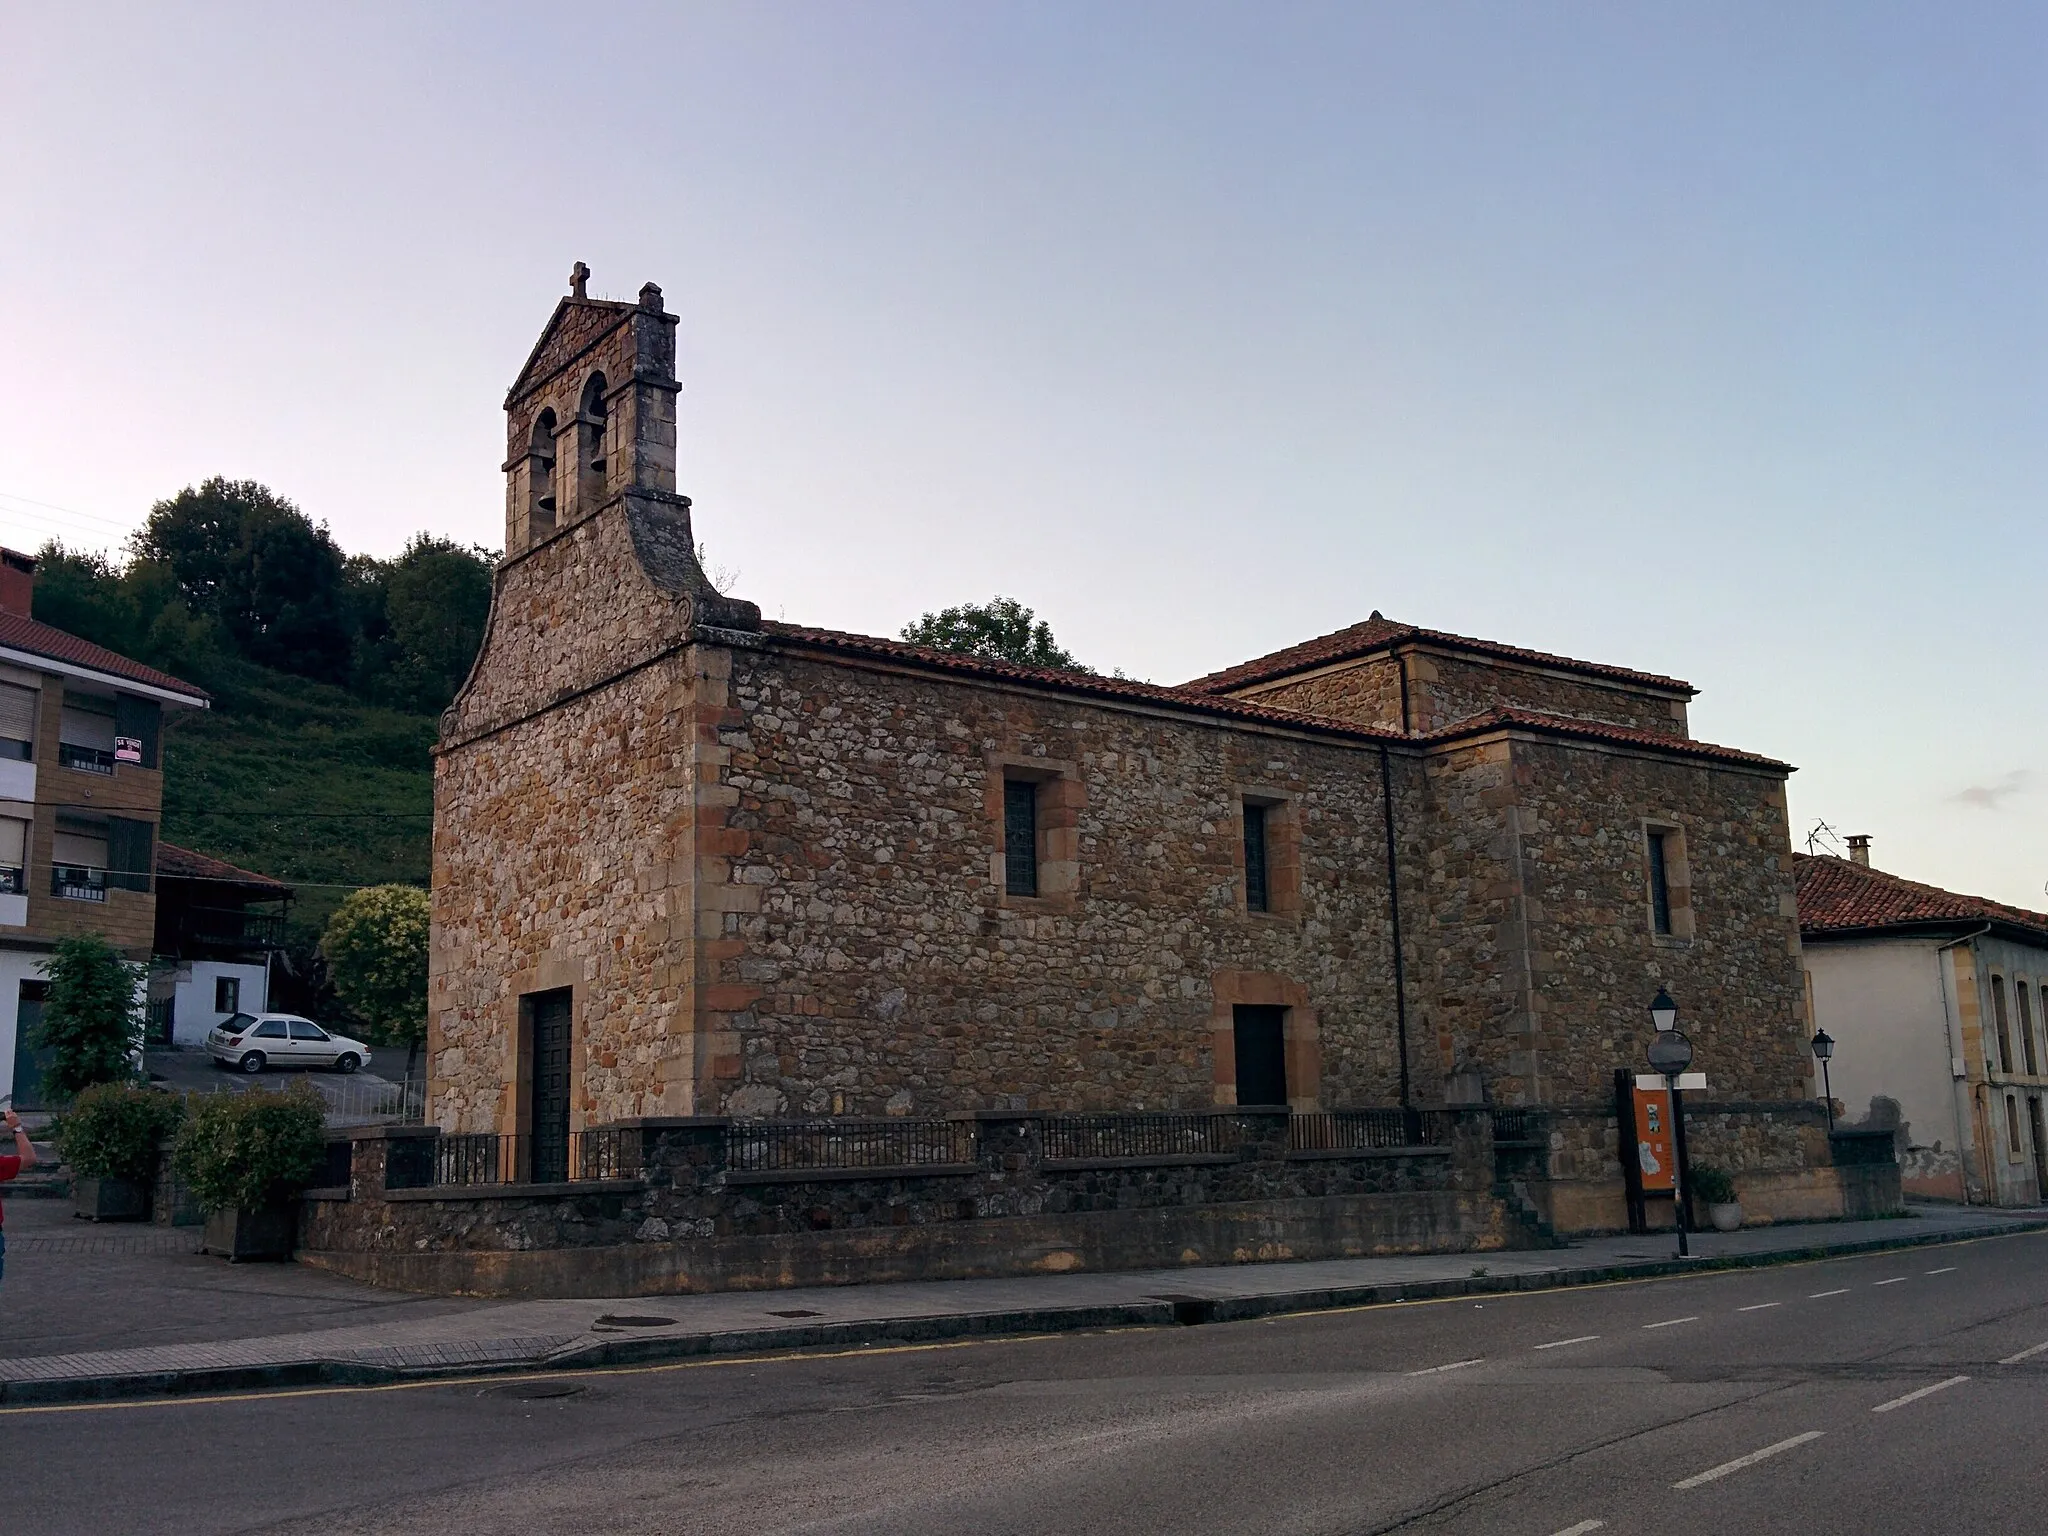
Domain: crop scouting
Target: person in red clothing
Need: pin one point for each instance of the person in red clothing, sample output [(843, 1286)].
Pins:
[(23, 1156)]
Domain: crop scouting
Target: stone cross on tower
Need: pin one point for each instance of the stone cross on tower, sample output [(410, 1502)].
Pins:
[(578, 276)]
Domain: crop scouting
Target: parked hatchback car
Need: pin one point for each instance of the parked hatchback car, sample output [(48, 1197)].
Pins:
[(249, 1042)]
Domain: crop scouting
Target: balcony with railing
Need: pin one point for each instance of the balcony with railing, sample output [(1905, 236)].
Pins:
[(187, 928), (84, 759), (78, 882)]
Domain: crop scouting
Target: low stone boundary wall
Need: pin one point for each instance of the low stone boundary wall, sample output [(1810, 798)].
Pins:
[(1208, 1187), (1786, 1165)]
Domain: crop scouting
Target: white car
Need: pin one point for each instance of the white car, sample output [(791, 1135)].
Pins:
[(249, 1042)]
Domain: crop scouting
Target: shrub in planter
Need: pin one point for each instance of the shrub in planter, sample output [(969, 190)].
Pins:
[(1713, 1188), (246, 1157), (109, 1137)]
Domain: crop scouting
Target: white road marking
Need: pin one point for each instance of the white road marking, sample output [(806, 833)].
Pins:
[(1914, 1397), (1581, 1528), (1816, 1296), (2023, 1355), (1747, 1461), (1455, 1365), (1584, 1338), (1760, 1306), (1671, 1322), (1895, 1279), (1946, 1270)]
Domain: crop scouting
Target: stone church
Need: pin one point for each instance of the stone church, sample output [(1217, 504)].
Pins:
[(688, 861)]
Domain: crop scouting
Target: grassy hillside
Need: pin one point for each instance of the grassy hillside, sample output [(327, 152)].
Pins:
[(303, 782)]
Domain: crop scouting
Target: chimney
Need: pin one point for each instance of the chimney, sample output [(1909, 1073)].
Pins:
[(17, 582), (1859, 848)]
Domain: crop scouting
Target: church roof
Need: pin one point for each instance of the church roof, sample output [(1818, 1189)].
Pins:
[(1839, 897), (1198, 700), (1380, 634)]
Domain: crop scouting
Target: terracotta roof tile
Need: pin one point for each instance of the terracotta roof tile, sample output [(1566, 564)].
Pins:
[(184, 864), (1841, 896), (1190, 698), (20, 633), (1379, 634)]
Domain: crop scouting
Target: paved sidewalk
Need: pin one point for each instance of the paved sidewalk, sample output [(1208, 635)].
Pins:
[(406, 1337)]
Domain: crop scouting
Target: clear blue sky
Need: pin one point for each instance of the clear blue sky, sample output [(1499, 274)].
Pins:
[(1709, 340)]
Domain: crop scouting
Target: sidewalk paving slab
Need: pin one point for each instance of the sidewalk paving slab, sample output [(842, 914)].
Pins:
[(484, 1337)]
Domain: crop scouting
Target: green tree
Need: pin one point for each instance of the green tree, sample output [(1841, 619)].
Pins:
[(1002, 629), (376, 949), (92, 1020), (259, 567)]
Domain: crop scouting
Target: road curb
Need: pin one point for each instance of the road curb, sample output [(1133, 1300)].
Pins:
[(1163, 1310)]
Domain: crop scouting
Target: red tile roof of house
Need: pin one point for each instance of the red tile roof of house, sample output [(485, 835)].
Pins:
[(20, 633), (173, 862), (1838, 896), (1200, 701), (1379, 634)]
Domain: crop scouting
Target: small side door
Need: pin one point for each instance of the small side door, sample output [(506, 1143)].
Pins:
[(311, 1045)]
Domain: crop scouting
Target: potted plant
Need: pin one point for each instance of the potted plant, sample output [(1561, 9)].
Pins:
[(1713, 1188), (246, 1157), (110, 1137)]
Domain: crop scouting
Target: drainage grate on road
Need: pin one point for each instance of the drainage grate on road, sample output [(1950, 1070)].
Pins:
[(796, 1312), (616, 1320)]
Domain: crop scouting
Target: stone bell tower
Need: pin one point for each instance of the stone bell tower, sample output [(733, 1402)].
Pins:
[(592, 414)]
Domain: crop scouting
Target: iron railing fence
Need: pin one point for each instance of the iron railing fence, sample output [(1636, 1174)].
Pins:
[(1365, 1130), (337, 1165), (459, 1161), (85, 759), (1107, 1137), (1518, 1125), (781, 1146), (366, 1101)]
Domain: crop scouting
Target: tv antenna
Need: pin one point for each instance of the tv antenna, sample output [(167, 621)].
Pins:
[(1824, 838)]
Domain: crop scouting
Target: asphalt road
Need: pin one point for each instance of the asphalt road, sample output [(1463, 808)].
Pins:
[(1902, 1392)]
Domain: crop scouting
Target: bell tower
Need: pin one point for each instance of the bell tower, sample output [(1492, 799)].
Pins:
[(592, 415)]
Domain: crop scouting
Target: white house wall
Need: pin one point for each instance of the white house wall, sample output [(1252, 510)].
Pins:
[(1881, 999), (192, 1010)]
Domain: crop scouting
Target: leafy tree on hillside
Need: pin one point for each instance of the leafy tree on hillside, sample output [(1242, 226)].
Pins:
[(1002, 629), (421, 620), (92, 1021), (259, 567), (376, 949)]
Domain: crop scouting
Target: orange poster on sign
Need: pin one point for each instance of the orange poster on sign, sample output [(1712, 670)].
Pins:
[(1653, 1138)]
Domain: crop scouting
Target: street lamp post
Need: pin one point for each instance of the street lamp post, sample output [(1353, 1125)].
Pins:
[(1823, 1049), (1671, 1053)]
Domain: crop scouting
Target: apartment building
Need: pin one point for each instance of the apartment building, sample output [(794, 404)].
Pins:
[(81, 793)]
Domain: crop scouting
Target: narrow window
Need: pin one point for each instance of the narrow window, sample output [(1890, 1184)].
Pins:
[(2004, 1029), (227, 994), (18, 722), (2024, 996), (1660, 885), (1020, 837), (2012, 1125), (1256, 896), (14, 834)]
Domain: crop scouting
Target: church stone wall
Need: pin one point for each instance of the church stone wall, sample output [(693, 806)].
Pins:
[(1539, 952), (884, 968), (1365, 692), (1445, 688)]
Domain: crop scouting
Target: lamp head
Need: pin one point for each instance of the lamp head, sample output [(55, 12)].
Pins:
[(1823, 1045), (1663, 1011)]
